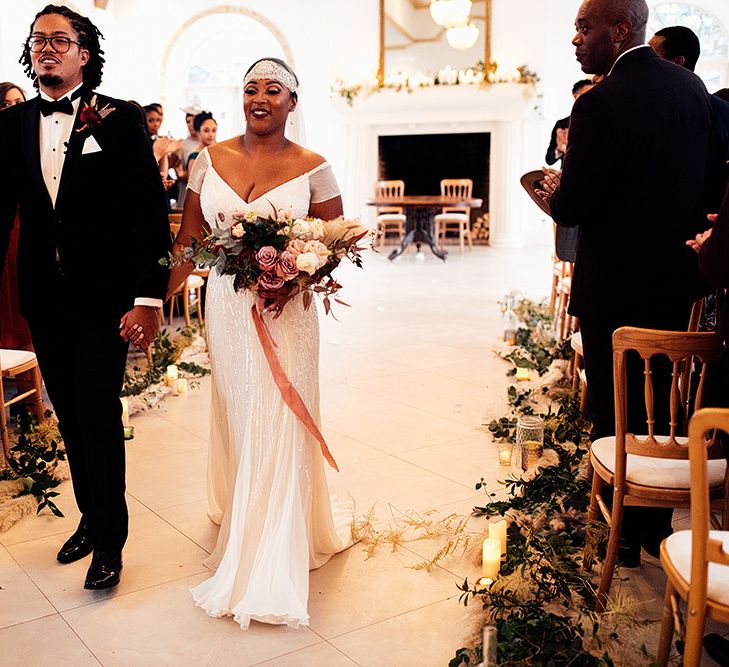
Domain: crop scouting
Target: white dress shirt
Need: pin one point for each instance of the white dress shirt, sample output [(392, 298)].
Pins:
[(55, 133)]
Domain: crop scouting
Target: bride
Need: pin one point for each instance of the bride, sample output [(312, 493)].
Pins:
[(267, 487)]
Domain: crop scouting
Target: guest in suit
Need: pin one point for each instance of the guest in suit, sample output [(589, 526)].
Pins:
[(560, 131), (14, 332), (89, 278), (633, 180), (680, 45)]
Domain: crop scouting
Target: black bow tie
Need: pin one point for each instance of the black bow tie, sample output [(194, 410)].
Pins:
[(63, 105)]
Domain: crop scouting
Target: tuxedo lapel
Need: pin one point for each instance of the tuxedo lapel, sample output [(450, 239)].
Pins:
[(73, 154), (30, 128)]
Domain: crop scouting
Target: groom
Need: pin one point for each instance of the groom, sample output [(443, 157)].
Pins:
[(93, 225)]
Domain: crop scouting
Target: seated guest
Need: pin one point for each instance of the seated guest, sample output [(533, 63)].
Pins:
[(680, 45), (207, 129), (14, 332), (560, 131)]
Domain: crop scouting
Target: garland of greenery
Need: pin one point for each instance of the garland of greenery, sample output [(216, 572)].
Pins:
[(542, 603), (34, 459), (165, 352)]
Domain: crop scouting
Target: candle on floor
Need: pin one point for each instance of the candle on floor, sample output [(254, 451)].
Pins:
[(182, 387), (171, 375), (505, 449), (125, 411), (498, 531), (522, 374), (491, 558)]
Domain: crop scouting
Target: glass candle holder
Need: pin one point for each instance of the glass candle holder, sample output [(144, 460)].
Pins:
[(530, 439)]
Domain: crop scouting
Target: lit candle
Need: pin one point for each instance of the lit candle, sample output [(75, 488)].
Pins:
[(171, 375), (125, 411), (522, 374), (498, 531), (491, 558), (182, 387), (505, 453)]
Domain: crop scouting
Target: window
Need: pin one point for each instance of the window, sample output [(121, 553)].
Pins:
[(713, 37)]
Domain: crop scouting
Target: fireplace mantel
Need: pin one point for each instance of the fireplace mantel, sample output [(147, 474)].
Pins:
[(505, 110)]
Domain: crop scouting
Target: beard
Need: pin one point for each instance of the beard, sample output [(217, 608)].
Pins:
[(50, 80)]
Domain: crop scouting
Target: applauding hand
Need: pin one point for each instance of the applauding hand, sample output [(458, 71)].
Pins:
[(549, 184)]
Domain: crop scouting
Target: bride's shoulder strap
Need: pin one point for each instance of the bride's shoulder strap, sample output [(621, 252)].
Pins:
[(199, 169), (323, 184)]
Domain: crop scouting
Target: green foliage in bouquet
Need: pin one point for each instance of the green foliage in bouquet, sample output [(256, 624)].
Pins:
[(34, 457)]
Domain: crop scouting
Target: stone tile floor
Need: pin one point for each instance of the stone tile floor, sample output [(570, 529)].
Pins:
[(408, 376)]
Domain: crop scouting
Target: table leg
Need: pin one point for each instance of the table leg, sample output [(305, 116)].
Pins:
[(419, 229)]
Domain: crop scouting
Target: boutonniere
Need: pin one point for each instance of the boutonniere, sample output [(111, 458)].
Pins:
[(91, 116)]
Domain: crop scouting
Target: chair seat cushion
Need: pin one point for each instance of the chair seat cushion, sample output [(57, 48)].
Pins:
[(391, 217), (194, 282), (576, 342), (451, 217), (9, 359), (678, 547), (653, 471)]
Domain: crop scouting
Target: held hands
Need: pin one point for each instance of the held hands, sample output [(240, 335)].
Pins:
[(697, 243), (549, 184), (140, 326)]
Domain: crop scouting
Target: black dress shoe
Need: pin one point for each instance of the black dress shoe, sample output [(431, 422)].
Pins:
[(75, 547), (718, 648), (104, 570)]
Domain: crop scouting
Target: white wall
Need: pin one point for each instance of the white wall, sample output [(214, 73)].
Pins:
[(328, 39)]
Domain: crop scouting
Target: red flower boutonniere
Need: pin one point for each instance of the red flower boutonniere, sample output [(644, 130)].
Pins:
[(91, 116)]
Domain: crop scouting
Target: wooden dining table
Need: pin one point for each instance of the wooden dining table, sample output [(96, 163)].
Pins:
[(419, 212)]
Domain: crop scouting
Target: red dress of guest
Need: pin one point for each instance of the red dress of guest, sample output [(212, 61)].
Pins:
[(14, 332)]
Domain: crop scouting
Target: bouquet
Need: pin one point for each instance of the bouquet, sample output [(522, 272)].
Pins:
[(279, 257)]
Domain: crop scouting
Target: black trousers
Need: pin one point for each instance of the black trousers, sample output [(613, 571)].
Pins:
[(598, 358), (82, 359)]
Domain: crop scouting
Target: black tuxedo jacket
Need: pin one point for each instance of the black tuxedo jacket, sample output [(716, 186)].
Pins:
[(103, 240), (551, 156), (633, 179)]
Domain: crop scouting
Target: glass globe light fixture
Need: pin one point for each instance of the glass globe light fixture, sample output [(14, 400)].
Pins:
[(462, 37), (449, 13)]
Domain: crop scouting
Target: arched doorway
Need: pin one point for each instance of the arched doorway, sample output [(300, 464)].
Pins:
[(206, 59)]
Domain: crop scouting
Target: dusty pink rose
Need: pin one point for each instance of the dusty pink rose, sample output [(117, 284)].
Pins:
[(270, 281), (296, 247), (286, 266), (266, 258), (237, 230)]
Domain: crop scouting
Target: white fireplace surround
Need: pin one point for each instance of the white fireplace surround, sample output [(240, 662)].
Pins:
[(506, 111)]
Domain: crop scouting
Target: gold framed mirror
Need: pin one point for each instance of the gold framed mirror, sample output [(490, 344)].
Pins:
[(407, 24)]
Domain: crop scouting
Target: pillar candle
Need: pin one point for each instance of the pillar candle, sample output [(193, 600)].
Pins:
[(125, 411), (171, 375), (491, 555), (498, 531), (182, 387)]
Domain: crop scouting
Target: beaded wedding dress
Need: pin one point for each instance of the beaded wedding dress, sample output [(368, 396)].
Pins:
[(267, 487)]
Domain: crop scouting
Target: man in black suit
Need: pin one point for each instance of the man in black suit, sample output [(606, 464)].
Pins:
[(558, 138), (633, 180), (86, 261), (681, 45)]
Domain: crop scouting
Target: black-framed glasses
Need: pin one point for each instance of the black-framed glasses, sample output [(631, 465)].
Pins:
[(59, 44)]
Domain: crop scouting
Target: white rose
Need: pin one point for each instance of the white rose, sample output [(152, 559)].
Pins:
[(319, 249), (307, 230), (308, 262), (237, 231)]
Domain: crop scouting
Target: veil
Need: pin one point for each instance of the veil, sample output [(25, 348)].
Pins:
[(295, 126)]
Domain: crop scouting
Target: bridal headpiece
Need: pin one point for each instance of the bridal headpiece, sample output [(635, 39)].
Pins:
[(268, 69)]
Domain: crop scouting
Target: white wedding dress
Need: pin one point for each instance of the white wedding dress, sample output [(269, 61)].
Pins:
[(267, 486)]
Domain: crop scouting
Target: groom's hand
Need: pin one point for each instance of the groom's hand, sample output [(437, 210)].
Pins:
[(140, 326)]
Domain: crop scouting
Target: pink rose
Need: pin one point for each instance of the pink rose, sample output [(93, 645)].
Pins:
[(237, 230), (296, 247), (286, 266), (266, 258), (270, 281)]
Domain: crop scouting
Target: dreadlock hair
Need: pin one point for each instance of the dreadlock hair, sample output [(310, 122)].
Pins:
[(88, 36)]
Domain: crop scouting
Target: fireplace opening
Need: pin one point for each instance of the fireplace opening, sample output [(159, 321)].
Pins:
[(422, 160)]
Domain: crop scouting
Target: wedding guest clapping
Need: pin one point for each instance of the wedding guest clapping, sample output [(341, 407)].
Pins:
[(560, 132)]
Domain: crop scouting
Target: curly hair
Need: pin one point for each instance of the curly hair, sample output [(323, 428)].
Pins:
[(88, 36)]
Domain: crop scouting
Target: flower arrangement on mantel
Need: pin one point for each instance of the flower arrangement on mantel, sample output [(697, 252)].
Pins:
[(480, 74)]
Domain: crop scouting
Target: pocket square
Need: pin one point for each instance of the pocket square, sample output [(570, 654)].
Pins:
[(91, 146)]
